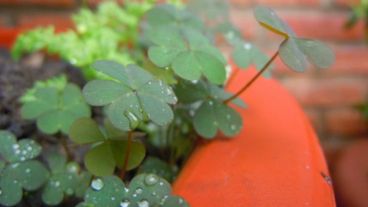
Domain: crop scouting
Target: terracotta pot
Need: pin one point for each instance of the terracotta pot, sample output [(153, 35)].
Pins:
[(351, 175), (276, 160)]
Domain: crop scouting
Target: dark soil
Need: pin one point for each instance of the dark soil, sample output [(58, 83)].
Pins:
[(16, 77)]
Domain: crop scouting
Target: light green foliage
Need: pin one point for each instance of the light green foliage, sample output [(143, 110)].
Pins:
[(108, 147), (104, 34), (130, 96), (295, 51), (359, 12), (54, 105), (18, 169), (210, 114), (66, 179), (143, 190)]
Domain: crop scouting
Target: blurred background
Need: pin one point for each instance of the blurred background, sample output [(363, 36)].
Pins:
[(333, 99)]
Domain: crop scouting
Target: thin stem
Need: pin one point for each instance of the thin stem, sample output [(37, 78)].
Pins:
[(246, 86), (64, 143), (127, 155)]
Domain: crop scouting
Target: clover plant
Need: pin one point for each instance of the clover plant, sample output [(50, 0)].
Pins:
[(155, 77)]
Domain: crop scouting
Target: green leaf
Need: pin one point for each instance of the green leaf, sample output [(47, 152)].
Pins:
[(102, 159), (14, 151), (190, 54), (268, 19), (144, 190), (294, 51), (133, 88), (85, 131), (65, 180), (28, 175), (292, 56), (317, 53), (54, 108), (154, 165), (213, 116)]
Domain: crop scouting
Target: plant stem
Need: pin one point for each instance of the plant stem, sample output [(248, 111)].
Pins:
[(127, 155), (246, 86), (64, 143)]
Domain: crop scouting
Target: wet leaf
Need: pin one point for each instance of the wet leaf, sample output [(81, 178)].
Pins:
[(143, 190), (127, 94), (55, 108)]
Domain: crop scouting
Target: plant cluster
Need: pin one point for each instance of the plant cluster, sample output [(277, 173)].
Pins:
[(158, 77)]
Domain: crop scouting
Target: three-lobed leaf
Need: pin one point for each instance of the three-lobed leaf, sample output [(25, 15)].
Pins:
[(55, 109), (295, 51), (130, 95)]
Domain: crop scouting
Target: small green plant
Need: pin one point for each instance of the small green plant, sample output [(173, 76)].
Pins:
[(158, 76)]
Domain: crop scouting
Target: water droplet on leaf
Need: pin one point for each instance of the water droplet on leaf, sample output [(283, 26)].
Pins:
[(124, 204), (97, 184), (151, 179), (143, 203)]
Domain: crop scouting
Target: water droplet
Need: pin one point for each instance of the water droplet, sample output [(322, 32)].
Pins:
[(97, 184), (15, 146), (17, 151), (247, 46), (72, 167), (143, 203), (233, 127), (124, 204), (22, 158), (151, 179), (28, 170), (57, 183), (160, 83), (113, 198), (1, 192), (228, 116), (167, 68), (126, 190), (149, 82), (210, 103), (139, 190), (134, 195), (161, 183), (29, 148), (154, 193), (191, 112)]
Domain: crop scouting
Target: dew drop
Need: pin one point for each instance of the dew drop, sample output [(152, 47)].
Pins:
[(124, 204), (181, 201), (113, 198), (143, 203), (97, 184), (161, 183), (29, 148), (28, 170), (151, 179), (210, 103), (233, 127), (139, 190), (247, 46), (15, 146), (57, 184), (126, 190)]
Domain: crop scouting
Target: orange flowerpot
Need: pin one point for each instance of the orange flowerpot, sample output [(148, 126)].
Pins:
[(276, 160)]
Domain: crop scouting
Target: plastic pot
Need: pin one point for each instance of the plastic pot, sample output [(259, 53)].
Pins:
[(276, 160)]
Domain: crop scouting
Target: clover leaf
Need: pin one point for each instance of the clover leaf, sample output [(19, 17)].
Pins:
[(143, 190), (108, 149), (212, 113), (20, 172), (158, 167), (295, 51), (65, 179), (54, 106), (130, 96), (189, 53)]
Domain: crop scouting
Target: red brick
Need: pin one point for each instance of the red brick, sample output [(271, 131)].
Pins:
[(306, 23), (323, 25), (345, 122), (276, 3), (47, 3), (328, 92), (61, 22), (350, 60), (345, 3), (245, 21)]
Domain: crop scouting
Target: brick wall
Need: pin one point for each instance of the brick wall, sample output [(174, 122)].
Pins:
[(328, 96)]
